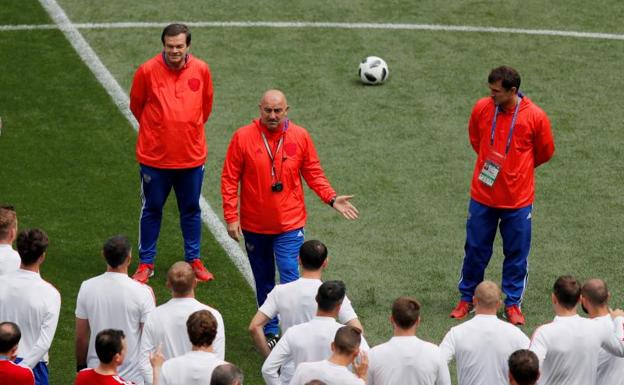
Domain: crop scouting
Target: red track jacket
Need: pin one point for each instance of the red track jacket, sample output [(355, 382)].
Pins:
[(172, 108), (247, 162), (531, 145)]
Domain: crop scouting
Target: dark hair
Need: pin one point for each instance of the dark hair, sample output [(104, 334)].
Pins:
[(116, 250), (524, 367), (508, 77), (596, 292), (405, 312), (330, 294), (8, 220), (312, 254), (174, 30), (227, 374), (108, 342), (10, 336), (347, 339), (202, 328), (31, 244), (567, 291)]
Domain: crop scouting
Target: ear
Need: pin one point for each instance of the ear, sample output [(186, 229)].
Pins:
[(333, 347), (553, 299), (325, 263)]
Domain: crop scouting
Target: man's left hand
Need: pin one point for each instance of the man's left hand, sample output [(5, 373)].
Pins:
[(344, 207)]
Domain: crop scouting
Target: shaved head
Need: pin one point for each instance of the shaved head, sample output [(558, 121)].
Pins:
[(273, 109), (595, 291), (488, 295), (181, 278)]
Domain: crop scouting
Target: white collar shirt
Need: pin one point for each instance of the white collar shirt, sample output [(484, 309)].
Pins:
[(9, 259), (192, 368), (326, 371)]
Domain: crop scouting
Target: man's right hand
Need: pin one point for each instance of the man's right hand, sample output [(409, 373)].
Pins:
[(234, 230)]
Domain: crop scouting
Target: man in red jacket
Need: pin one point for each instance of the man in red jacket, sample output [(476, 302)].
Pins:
[(511, 137), (267, 159), (171, 97)]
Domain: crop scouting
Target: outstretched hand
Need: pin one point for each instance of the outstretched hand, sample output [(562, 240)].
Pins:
[(344, 207)]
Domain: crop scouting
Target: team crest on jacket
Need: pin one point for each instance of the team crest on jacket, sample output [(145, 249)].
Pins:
[(194, 84)]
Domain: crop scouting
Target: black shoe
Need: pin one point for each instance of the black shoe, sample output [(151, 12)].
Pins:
[(272, 339)]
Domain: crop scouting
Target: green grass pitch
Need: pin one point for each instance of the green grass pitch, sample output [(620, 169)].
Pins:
[(67, 154)]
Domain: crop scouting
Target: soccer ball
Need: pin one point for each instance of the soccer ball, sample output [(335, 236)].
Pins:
[(373, 70)]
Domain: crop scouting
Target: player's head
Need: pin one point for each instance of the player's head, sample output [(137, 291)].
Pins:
[(116, 251), (347, 341), (405, 312), (181, 279), (504, 83), (32, 245), (523, 367), (487, 296), (227, 374), (330, 295), (273, 109), (110, 346), (8, 224), (10, 336), (176, 29), (202, 328), (595, 294), (312, 255), (567, 291)]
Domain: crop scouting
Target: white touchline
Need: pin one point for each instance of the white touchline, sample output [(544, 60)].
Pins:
[(329, 25), (110, 84)]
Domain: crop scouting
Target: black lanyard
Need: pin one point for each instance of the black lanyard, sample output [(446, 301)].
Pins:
[(511, 130)]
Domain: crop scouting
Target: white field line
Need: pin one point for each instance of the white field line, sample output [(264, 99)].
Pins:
[(328, 25), (103, 75)]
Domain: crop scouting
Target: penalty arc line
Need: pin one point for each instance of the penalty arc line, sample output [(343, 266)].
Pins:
[(121, 100), (326, 25)]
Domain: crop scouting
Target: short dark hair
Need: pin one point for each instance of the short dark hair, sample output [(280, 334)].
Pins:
[(596, 292), (524, 367), (227, 374), (10, 336), (202, 328), (405, 312), (312, 254), (31, 244), (108, 342), (347, 339), (174, 30), (330, 294), (567, 291), (8, 220), (116, 250), (508, 77)]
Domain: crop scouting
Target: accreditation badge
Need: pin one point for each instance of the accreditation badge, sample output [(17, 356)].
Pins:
[(491, 168)]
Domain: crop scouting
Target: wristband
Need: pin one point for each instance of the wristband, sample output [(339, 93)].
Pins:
[(332, 201)]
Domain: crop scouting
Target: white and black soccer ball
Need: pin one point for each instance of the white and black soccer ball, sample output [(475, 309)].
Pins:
[(373, 70)]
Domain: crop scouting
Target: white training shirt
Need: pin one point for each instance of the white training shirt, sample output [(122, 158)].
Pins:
[(34, 305), (408, 361), (295, 303), (116, 301), (328, 372), (9, 259), (192, 368), (610, 367), (568, 349), (306, 342), (481, 348), (166, 326)]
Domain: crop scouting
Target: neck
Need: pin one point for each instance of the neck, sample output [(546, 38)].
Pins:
[(311, 274), (106, 369), (190, 294), (340, 359), (411, 332), (511, 103), (202, 348), (485, 311), (331, 314), (34, 267), (563, 312), (123, 269), (598, 311)]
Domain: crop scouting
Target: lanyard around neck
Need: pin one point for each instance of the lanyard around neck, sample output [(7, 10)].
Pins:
[(511, 129), (268, 148)]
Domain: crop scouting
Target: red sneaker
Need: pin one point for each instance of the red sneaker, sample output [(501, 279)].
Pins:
[(201, 273), (461, 310), (144, 272), (514, 315)]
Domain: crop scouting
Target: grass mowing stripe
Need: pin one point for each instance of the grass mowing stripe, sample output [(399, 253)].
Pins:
[(112, 87), (304, 24)]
